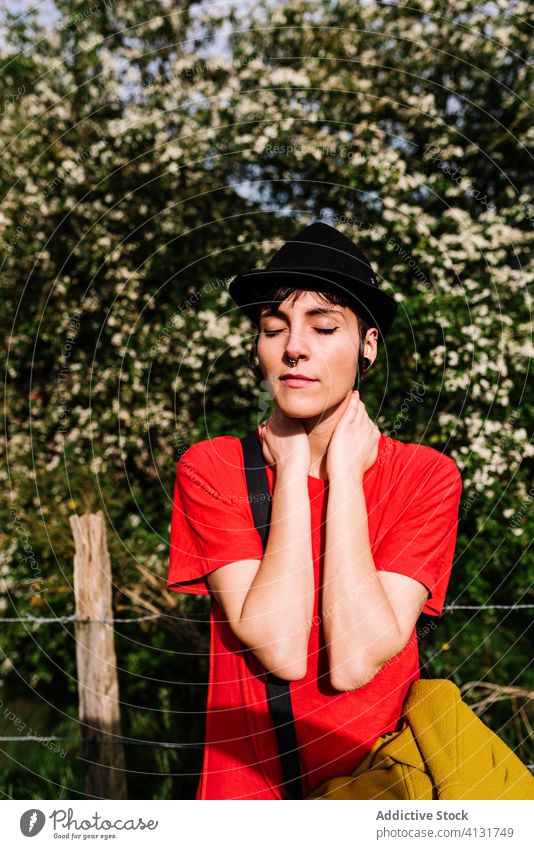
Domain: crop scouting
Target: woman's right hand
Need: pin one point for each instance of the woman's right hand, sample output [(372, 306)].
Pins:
[(285, 443)]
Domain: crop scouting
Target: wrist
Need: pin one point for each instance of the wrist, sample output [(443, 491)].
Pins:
[(346, 476), (291, 474)]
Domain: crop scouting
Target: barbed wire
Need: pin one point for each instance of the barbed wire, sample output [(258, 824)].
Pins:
[(485, 606), (122, 742), (41, 620), (73, 618)]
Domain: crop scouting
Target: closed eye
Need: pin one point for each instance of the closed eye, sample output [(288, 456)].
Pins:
[(317, 330)]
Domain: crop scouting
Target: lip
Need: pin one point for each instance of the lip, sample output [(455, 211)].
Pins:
[(297, 381)]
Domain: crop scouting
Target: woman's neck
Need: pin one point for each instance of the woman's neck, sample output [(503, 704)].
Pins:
[(320, 429)]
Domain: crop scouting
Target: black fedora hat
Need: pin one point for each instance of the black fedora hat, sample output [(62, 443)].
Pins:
[(319, 258)]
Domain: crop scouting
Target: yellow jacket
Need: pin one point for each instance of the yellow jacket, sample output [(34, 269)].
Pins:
[(442, 751)]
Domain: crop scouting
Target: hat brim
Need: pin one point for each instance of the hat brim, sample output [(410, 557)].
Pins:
[(375, 306)]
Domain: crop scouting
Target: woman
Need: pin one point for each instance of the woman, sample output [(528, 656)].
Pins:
[(362, 533)]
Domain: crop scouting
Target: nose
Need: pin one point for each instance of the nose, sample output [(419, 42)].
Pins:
[(296, 346)]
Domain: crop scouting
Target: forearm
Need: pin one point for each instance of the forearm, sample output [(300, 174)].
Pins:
[(360, 628), (277, 612)]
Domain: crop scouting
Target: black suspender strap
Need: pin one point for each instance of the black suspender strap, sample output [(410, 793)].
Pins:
[(425, 624), (278, 691), (282, 714)]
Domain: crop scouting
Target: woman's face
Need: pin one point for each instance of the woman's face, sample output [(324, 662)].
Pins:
[(324, 340)]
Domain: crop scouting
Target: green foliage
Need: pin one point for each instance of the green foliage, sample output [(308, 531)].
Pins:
[(144, 165)]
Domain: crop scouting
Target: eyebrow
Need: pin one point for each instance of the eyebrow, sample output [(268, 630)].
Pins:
[(275, 311)]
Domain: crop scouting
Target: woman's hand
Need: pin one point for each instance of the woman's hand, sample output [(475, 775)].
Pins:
[(353, 445), (285, 443)]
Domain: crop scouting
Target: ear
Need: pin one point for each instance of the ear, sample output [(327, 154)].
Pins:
[(371, 344)]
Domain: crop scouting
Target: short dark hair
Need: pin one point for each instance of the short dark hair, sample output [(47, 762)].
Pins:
[(270, 297)]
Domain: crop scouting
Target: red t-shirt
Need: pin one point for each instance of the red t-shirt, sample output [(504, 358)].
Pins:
[(412, 494)]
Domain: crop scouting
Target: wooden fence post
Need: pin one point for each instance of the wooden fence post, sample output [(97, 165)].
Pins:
[(98, 688)]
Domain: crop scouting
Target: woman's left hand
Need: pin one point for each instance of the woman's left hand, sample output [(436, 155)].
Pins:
[(353, 446)]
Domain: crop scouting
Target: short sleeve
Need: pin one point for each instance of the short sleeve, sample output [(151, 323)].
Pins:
[(211, 523), (421, 538)]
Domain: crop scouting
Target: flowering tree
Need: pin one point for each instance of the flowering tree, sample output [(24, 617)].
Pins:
[(147, 160)]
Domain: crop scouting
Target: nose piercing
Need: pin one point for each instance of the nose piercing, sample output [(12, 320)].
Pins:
[(292, 362)]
